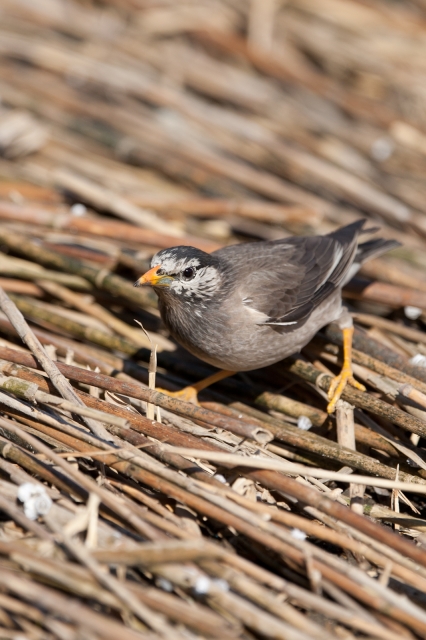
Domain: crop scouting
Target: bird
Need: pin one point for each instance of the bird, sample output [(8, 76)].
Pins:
[(250, 305)]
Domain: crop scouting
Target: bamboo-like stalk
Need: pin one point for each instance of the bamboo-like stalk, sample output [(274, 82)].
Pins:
[(50, 600), (98, 277), (155, 397), (58, 380), (125, 129)]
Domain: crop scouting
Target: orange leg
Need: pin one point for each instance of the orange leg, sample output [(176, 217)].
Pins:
[(190, 394), (339, 383)]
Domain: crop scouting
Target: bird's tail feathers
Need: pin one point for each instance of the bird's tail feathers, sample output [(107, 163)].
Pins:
[(368, 250), (374, 249), (365, 250)]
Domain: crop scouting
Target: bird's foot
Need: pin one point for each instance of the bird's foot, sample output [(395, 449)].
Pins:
[(187, 394), (190, 394), (338, 385)]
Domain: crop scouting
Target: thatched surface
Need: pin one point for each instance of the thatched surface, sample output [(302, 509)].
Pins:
[(127, 126)]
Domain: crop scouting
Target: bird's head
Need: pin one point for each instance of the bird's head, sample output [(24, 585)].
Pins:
[(185, 272)]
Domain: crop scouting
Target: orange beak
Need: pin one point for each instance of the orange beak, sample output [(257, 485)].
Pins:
[(152, 278)]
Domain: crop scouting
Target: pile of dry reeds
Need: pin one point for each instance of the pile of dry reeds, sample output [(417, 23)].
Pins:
[(132, 125)]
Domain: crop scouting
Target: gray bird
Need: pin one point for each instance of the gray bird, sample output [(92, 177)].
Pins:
[(250, 305)]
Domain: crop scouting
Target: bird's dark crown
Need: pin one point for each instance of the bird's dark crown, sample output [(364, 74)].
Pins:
[(175, 259)]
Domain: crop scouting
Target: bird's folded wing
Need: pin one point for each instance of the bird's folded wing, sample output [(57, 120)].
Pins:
[(305, 272)]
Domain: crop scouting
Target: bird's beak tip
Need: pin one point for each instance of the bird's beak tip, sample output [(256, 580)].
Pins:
[(147, 278), (152, 278)]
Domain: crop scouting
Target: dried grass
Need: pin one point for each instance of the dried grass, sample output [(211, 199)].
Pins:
[(126, 127)]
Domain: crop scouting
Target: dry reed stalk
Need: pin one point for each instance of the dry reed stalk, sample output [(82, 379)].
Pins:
[(58, 380), (204, 127), (287, 433), (99, 226), (100, 278), (384, 293), (345, 426), (195, 615), (183, 408), (70, 609)]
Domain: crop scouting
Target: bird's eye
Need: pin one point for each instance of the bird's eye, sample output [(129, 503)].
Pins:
[(188, 273)]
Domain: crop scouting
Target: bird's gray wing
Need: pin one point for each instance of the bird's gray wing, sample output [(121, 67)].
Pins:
[(283, 281)]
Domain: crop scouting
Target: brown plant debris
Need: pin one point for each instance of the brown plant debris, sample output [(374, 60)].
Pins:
[(131, 126)]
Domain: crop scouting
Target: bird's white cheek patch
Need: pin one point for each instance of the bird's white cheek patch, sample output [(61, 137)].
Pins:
[(208, 281), (204, 285), (186, 289), (178, 287)]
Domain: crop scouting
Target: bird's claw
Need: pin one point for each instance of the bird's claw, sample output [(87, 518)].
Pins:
[(187, 394), (338, 385)]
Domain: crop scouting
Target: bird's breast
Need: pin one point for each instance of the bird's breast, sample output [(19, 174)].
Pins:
[(228, 336)]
